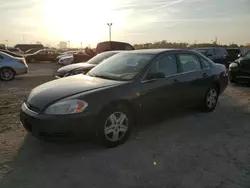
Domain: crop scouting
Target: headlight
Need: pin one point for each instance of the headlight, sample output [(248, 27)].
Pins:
[(233, 65), (67, 107), (74, 72)]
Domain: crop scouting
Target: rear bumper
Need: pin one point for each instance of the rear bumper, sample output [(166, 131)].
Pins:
[(223, 82), (20, 71)]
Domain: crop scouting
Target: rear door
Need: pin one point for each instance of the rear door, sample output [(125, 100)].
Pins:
[(195, 78), (161, 94)]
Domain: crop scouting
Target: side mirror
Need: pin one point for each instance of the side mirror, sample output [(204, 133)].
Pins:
[(239, 55), (151, 76)]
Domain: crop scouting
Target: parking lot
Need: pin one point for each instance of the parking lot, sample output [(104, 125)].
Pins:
[(186, 150)]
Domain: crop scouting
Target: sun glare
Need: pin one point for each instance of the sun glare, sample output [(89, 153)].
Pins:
[(80, 20)]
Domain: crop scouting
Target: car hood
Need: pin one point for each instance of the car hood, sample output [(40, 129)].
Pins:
[(55, 90), (75, 66)]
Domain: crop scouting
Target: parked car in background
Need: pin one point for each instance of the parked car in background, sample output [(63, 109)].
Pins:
[(108, 100), (113, 45), (11, 66), (15, 50), (81, 56), (233, 53), (66, 54), (32, 50), (83, 68), (216, 54), (239, 70), (25, 47), (42, 55), (11, 53), (66, 60)]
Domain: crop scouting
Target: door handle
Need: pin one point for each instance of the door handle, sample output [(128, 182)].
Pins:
[(176, 81), (205, 75)]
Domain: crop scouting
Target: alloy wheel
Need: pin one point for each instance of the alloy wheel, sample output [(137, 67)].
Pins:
[(211, 98), (116, 126)]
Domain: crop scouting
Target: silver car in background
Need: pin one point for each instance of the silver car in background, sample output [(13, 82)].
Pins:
[(11, 66)]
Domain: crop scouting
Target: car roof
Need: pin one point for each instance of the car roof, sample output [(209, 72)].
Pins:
[(156, 51)]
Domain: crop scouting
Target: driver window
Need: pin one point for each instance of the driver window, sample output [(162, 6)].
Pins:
[(42, 52), (166, 65)]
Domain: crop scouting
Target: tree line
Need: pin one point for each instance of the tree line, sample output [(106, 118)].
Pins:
[(166, 44)]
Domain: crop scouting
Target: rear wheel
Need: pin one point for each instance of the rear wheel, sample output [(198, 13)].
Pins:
[(210, 99), (114, 125), (7, 74)]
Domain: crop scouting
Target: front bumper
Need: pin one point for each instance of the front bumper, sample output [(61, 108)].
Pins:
[(237, 74), (54, 127)]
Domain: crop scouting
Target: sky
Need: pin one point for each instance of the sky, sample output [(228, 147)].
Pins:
[(133, 21)]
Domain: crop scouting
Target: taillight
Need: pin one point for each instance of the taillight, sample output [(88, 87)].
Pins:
[(21, 62)]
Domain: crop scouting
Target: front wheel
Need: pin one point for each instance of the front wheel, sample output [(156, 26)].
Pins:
[(114, 125), (210, 99)]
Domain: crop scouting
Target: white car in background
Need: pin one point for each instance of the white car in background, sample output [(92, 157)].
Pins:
[(66, 60)]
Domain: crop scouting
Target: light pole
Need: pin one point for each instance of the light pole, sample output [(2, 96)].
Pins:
[(6, 43), (110, 25)]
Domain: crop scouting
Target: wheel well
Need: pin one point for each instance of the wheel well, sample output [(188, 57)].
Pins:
[(124, 103), (8, 68), (217, 85)]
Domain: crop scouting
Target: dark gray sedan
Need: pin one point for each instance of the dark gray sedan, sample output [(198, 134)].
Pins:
[(110, 98)]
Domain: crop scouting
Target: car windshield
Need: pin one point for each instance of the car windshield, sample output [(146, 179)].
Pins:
[(122, 66), (101, 57)]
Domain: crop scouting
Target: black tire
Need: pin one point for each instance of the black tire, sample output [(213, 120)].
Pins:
[(7, 74), (210, 99), (104, 120), (233, 81)]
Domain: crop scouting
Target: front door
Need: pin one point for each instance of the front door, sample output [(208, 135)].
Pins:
[(161, 94)]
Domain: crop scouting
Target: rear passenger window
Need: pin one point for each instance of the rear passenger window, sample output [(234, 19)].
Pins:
[(189, 62)]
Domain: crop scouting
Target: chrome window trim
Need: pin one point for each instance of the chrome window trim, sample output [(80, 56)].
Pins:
[(180, 73)]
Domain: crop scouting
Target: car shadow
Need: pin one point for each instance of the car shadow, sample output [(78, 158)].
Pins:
[(36, 160)]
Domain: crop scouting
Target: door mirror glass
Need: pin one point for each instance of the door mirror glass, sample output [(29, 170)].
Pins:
[(151, 76)]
